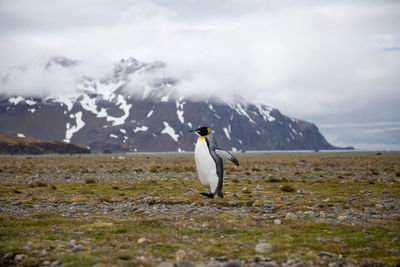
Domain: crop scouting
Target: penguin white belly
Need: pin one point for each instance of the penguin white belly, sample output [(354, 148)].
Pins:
[(205, 164)]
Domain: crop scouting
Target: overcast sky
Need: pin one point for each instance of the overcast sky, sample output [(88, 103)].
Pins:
[(334, 63)]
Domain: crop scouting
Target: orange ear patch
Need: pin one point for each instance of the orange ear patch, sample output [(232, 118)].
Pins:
[(208, 130)]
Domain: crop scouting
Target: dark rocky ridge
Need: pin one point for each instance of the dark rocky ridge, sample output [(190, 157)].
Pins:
[(103, 114), (27, 145)]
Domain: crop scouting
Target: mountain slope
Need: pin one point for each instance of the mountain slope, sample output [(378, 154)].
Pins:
[(102, 114)]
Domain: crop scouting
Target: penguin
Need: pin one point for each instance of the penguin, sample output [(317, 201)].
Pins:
[(208, 157)]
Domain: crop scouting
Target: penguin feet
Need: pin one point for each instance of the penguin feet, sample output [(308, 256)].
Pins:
[(207, 195), (220, 194)]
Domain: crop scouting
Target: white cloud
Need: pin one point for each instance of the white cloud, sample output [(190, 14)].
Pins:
[(36, 81)]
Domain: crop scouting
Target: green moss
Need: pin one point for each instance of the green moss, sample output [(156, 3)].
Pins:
[(78, 259), (90, 181), (121, 231), (287, 188), (165, 248), (39, 184)]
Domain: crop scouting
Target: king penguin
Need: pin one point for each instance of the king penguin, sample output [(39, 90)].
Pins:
[(209, 164)]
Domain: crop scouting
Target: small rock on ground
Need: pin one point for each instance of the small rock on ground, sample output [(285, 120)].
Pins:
[(184, 264), (324, 254), (20, 257), (180, 255), (142, 240), (233, 264), (8, 255), (149, 200), (291, 216), (263, 248)]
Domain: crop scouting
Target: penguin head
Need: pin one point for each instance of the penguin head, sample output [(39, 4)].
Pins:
[(203, 131)]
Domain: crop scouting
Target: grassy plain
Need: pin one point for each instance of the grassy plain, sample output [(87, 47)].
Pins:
[(142, 209)]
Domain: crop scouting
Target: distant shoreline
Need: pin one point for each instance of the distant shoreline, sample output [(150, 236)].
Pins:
[(265, 151), (175, 153)]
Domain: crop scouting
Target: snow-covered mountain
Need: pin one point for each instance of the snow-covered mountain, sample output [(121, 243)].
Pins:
[(101, 113)]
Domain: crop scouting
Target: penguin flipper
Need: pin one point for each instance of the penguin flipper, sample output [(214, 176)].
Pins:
[(207, 195), (225, 154)]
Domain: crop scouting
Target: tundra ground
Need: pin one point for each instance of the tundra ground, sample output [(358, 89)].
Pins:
[(129, 210)]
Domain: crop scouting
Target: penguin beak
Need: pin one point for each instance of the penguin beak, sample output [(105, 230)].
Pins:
[(196, 131)]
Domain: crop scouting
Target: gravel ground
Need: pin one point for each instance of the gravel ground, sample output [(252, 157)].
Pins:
[(389, 210)]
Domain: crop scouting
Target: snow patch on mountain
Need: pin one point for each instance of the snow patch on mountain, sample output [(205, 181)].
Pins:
[(265, 112), (16, 100), (240, 109), (89, 104), (168, 94), (105, 89), (140, 129), (227, 133), (67, 100), (179, 109), (293, 130), (121, 102), (79, 124), (170, 131), (30, 102)]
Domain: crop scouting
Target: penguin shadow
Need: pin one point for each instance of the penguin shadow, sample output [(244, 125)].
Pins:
[(205, 195), (202, 198), (208, 195)]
